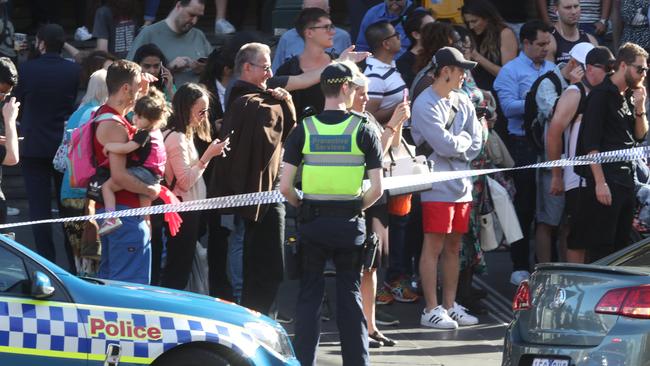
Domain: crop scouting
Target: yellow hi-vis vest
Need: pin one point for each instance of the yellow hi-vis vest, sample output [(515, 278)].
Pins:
[(333, 163)]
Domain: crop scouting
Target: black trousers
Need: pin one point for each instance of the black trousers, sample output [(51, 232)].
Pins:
[(525, 200), (39, 175), (218, 256), (180, 251), (263, 265)]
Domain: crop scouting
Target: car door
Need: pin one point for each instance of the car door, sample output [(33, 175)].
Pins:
[(36, 331)]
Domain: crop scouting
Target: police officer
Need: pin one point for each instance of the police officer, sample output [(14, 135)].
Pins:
[(336, 147)]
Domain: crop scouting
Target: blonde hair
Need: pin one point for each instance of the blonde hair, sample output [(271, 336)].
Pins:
[(97, 90)]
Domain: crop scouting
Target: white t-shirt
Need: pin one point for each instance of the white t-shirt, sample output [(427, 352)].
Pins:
[(386, 83)]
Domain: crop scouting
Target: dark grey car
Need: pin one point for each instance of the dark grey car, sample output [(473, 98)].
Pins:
[(594, 314)]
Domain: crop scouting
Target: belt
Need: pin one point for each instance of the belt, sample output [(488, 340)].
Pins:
[(346, 209)]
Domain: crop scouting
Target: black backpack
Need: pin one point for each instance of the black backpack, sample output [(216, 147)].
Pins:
[(533, 128)]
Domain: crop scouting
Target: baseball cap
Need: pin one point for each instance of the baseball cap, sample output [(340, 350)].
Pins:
[(579, 51), (449, 56), (600, 55), (339, 73)]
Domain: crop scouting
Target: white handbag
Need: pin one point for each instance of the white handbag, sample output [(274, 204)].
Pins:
[(488, 236), (401, 160)]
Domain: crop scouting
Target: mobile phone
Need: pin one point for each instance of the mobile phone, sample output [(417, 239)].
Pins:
[(405, 95), (228, 135), (20, 138)]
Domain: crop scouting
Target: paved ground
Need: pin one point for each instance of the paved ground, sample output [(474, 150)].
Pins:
[(476, 345)]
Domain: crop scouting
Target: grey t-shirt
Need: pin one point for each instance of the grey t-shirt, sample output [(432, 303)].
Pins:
[(192, 44), (119, 32)]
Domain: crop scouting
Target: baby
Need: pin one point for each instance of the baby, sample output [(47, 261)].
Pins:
[(146, 152)]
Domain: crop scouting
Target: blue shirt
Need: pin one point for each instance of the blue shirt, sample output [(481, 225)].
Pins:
[(78, 118), (291, 44), (376, 14), (512, 83)]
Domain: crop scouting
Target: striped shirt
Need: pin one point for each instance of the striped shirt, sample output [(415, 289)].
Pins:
[(385, 82), (589, 11)]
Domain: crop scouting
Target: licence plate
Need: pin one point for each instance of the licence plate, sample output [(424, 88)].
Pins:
[(549, 362)]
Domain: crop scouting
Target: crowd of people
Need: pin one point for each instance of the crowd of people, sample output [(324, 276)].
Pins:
[(173, 116)]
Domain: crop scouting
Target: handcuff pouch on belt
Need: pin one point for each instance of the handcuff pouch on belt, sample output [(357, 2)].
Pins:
[(369, 254)]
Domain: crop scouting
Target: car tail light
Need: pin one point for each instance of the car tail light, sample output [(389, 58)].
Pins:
[(633, 302), (522, 297)]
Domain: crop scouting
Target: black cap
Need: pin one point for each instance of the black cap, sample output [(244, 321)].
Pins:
[(339, 73), (51, 32), (600, 55), (449, 56)]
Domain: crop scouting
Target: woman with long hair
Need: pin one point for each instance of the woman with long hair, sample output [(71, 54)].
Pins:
[(183, 174), (496, 43), (434, 37), (413, 26)]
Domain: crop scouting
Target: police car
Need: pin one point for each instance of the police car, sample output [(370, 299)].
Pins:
[(50, 317)]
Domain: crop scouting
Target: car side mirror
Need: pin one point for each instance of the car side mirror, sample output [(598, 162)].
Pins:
[(42, 286)]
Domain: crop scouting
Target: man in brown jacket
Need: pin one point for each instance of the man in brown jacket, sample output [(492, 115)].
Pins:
[(258, 120)]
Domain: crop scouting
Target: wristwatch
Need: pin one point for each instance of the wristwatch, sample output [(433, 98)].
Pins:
[(603, 21)]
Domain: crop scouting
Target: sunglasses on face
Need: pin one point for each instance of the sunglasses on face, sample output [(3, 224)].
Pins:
[(640, 69)]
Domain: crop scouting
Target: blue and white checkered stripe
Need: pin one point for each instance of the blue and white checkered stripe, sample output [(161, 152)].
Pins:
[(66, 328)]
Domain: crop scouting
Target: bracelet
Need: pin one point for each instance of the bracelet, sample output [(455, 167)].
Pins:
[(390, 128)]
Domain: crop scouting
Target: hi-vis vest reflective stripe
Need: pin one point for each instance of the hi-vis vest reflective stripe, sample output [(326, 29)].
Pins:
[(333, 163)]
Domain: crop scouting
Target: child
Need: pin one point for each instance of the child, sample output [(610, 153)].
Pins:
[(147, 163)]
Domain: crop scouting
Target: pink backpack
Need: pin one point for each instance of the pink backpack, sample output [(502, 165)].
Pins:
[(82, 163)]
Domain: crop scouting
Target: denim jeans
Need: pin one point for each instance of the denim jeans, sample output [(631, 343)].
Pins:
[(235, 256)]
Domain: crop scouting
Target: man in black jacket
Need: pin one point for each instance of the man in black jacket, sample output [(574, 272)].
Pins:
[(47, 92)]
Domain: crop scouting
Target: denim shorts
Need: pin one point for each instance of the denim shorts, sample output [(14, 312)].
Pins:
[(144, 175)]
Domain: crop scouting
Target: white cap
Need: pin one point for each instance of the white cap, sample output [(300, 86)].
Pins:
[(579, 52)]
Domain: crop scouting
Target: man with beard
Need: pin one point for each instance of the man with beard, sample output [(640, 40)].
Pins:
[(185, 46), (614, 119)]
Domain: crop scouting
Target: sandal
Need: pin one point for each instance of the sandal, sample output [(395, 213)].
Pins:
[(383, 339)]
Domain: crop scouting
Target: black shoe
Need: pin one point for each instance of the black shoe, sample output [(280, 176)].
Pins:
[(281, 318), (374, 344), (382, 339)]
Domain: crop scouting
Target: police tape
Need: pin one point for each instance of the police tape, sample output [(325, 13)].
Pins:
[(404, 182)]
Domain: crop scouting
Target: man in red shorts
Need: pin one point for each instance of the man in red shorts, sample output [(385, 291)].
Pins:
[(445, 124)]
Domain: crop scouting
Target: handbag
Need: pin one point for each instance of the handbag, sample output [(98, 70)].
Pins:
[(402, 160), (400, 205), (487, 237), (498, 152)]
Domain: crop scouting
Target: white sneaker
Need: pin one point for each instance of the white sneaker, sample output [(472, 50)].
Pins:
[(222, 26), (82, 34), (517, 277), (437, 318), (460, 315)]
